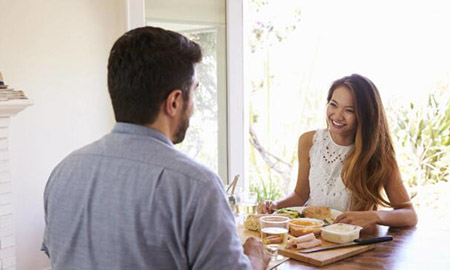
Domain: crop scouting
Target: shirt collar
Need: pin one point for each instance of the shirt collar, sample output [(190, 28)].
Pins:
[(140, 130)]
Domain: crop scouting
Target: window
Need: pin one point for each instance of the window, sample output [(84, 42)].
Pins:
[(204, 23), (296, 50)]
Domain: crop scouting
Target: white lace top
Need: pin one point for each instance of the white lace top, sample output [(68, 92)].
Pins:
[(325, 183)]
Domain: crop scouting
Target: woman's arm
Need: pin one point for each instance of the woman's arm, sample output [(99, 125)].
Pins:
[(301, 192), (403, 214)]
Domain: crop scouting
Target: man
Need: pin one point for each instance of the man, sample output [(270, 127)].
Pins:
[(131, 200)]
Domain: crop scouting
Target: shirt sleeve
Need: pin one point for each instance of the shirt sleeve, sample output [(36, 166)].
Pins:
[(213, 242), (44, 244)]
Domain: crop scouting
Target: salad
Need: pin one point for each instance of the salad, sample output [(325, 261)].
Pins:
[(291, 212)]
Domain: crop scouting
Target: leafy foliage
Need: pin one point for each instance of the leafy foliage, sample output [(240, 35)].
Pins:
[(268, 27), (422, 136), (269, 172)]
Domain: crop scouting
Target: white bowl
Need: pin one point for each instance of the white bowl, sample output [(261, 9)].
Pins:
[(340, 233), (302, 226)]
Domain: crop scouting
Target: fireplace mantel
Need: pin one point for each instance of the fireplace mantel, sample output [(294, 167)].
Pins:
[(8, 109), (12, 107)]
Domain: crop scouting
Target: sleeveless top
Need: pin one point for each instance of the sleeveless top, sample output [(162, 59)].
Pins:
[(325, 183)]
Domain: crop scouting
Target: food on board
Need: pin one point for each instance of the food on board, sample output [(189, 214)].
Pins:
[(304, 238), (293, 213), (302, 226), (307, 223), (310, 244), (305, 241), (252, 221), (340, 233), (273, 239), (319, 212)]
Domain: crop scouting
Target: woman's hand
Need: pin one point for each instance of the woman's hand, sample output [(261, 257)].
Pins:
[(266, 207), (364, 219)]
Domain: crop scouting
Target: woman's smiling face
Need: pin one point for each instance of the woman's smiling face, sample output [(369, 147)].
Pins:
[(341, 115)]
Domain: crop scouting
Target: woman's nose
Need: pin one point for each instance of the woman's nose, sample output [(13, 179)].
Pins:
[(340, 115)]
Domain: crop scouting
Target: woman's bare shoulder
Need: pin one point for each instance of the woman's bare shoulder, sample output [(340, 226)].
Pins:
[(306, 139)]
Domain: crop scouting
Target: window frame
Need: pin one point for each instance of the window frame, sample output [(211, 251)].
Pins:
[(237, 111)]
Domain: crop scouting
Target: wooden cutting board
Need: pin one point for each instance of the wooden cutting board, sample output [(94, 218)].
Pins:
[(325, 257), (319, 258)]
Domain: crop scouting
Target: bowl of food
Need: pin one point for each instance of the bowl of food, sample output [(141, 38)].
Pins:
[(302, 226), (340, 233)]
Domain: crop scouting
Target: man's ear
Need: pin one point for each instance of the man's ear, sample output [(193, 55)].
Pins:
[(174, 102)]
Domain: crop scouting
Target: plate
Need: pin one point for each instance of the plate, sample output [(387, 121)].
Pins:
[(334, 212)]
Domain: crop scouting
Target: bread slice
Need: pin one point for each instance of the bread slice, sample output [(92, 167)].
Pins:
[(319, 212), (252, 221)]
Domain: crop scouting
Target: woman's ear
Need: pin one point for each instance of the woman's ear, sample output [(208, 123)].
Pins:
[(174, 102)]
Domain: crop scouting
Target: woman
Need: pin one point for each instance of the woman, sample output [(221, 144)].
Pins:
[(351, 164)]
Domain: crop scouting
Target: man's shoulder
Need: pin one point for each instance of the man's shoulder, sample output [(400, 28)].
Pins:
[(146, 151), (183, 164), (86, 150)]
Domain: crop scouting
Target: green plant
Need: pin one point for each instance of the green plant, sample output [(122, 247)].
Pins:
[(270, 166), (267, 190), (422, 137)]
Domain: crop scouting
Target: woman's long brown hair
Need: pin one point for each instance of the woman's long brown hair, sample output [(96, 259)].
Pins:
[(372, 161)]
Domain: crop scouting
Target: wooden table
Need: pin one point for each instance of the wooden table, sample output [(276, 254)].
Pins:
[(412, 248)]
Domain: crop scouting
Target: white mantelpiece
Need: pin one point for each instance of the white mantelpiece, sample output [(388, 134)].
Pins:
[(7, 238), (12, 107)]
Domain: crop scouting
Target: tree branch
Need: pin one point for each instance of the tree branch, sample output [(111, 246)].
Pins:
[(274, 162)]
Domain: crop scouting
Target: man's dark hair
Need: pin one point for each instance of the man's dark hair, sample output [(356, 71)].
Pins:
[(145, 65)]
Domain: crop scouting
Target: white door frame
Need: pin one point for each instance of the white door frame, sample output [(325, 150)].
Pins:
[(135, 10), (237, 116)]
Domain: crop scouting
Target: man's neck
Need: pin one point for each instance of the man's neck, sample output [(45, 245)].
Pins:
[(161, 127)]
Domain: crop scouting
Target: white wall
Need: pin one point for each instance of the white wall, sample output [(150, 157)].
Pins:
[(56, 51)]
